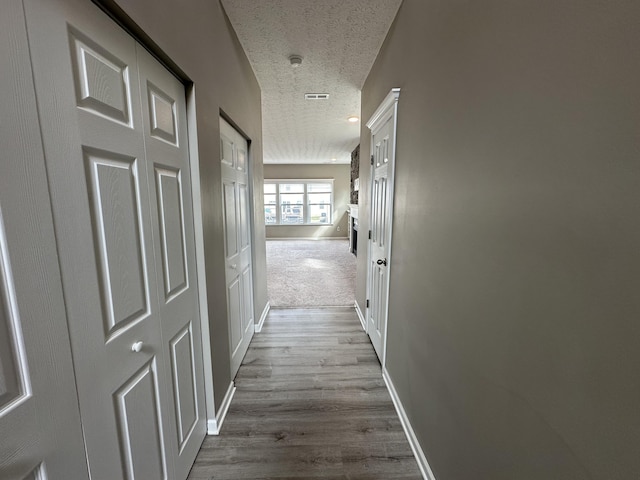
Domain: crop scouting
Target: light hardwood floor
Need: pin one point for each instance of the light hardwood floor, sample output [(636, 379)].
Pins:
[(310, 404)]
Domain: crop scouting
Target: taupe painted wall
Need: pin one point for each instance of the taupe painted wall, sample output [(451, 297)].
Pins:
[(341, 194), (514, 332), (200, 40)]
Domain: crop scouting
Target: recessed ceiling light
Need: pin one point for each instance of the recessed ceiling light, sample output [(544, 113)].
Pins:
[(334, 159), (295, 60), (353, 119)]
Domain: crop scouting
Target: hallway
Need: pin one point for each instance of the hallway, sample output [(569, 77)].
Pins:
[(310, 403)]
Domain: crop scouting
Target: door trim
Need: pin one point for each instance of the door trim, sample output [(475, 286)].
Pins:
[(386, 110)]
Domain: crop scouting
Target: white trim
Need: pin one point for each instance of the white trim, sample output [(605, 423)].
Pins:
[(315, 307), (214, 425), (360, 316), (263, 317), (306, 238), (390, 99), (425, 469)]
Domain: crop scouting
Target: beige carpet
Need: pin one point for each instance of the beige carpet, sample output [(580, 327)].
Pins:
[(305, 273)]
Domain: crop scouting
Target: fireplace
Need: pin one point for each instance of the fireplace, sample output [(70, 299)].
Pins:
[(353, 229)]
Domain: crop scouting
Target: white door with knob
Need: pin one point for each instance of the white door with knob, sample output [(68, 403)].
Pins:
[(236, 204), (114, 133), (383, 130)]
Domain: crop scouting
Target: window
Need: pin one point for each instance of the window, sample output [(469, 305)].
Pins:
[(298, 202)]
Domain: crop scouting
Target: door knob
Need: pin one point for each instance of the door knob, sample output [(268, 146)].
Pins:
[(234, 266), (136, 347), (382, 261)]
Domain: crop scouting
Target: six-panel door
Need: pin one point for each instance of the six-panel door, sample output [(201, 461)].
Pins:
[(380, 227), (237, 231), (115, 141)]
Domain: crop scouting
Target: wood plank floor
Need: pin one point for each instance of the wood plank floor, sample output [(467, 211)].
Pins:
[(310, 404)]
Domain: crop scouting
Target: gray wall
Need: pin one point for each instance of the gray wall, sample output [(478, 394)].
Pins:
[(514, 332), (200, 40), (341, 193)]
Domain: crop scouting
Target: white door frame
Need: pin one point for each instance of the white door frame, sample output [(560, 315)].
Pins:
[(387, 109)]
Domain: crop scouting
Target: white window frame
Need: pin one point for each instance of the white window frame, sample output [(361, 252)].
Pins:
[(306, 210)]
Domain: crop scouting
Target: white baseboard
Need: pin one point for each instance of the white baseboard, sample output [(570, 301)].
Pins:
[(360, 316), (263, 317), (425, 469), (214, 425)]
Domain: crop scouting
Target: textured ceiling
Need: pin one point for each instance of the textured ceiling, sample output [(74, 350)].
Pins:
[(338, 41)]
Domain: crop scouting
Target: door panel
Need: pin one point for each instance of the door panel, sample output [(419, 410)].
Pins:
[(138, 419), (184, 376), (15, 383), (247, 300), (226, 151), (101, 79), (38, 473), (243, 214), (164, 116), (234, 300), (230, 219), (172, 230), (115, 210), (241, 159), (237, 229)]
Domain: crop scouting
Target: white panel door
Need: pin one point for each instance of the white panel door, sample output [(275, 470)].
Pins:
[(379, 243), (237, 230), (164, 116), (40, 432), (382, 125), (114, 133), (94, 144)]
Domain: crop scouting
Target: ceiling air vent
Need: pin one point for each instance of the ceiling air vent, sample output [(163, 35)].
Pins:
[(316, 96)]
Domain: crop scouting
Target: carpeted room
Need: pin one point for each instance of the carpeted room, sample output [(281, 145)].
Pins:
[(303, 273), (310, 264)]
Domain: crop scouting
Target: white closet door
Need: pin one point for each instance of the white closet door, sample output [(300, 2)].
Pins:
[(115, 141), (165, 120), (40, 432), (237, 230)]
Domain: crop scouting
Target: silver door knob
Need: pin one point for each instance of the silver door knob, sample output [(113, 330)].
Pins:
[(136, 347), (382, 261)]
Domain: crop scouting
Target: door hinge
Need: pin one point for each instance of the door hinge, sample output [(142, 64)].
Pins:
[(371, 159), (369, 234), (367, 303)]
